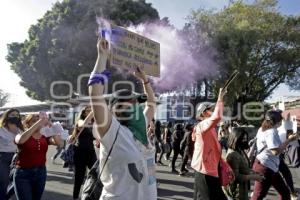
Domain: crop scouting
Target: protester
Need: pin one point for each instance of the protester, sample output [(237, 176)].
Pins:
[(151, 133), (176, 140), (30, 174), (187, 145), (158, 142), (64, 136), (284, 131), (84, 151), (267, 160), (223, 135), (167, 147), (293, 150), (130, 170), (207, 151), (239, 162), (10, 126)]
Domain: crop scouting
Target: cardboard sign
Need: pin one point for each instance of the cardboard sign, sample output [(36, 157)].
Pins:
[(130, 50)]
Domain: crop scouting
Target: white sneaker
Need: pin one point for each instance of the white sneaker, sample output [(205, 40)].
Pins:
[(294, 196)]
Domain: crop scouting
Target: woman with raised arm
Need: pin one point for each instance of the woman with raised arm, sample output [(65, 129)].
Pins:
[(84, 151), (207, 151), (30, 175), (121, 127)]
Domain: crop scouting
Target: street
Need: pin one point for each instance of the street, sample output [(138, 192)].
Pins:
[(59, 184)]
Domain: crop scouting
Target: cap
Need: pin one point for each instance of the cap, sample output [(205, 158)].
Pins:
[(203, 107), (125, 95)]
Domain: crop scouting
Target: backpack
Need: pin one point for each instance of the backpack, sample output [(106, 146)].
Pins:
[(92, 188)]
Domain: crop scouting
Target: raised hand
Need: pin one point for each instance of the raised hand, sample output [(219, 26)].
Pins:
[(140, 74), (103, 47)]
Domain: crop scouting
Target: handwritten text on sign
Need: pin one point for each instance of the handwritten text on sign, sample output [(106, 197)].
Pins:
[(130, 50)]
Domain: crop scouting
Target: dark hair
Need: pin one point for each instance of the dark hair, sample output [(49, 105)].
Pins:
[(157, 123), (188, 127), (272, 118), (4, 118), (235, 137), (169, 125), (81, 116), (178, 126)]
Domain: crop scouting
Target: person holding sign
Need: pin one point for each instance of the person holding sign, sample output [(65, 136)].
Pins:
[(126, 155)]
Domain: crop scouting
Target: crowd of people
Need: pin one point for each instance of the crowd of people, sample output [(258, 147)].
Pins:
[(131, 143)]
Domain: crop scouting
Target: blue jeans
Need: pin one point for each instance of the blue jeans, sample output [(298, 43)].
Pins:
[(29, 183), (5, 161)]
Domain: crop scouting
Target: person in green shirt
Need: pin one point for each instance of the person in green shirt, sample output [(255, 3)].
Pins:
[(239, 162)]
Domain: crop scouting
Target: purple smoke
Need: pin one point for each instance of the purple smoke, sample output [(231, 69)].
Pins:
[(179, 66)]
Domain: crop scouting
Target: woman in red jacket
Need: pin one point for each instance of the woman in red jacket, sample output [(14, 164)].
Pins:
[(30, 175)]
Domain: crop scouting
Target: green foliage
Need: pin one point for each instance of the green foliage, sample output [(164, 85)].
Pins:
[(259, 42), (3, 98), (62, 45)]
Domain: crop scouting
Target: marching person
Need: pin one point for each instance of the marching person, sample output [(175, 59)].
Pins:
[(176, 140), (84, 151), (284, 131), (187, 145), (267, 161), (10, 126), (30, 175), (239, 162), (207, 151), (121, 127)]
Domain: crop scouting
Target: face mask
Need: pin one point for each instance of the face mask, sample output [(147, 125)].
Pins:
[(15, 120), (135, 122), (244, 145)]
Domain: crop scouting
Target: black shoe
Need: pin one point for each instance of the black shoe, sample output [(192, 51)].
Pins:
[(185, 171), (159, 162), (175, 171)]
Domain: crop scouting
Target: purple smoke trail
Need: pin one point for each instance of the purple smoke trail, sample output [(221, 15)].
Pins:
[(179, 66)]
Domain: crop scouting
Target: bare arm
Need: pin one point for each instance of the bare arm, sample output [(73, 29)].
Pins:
[(215, 118), (56, 140), (282, 147), (150, 107), (21, 138), (87, 120), (100, 109)]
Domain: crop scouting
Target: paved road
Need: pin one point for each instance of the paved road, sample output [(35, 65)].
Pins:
[(172, 187)]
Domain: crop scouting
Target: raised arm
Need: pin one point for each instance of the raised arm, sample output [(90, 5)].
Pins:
[(150, 107), (100, 109), (21, 138), (216, 117)]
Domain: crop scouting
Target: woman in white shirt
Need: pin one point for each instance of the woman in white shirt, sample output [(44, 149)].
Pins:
[(267, 161), (10, 126), (130, 171)]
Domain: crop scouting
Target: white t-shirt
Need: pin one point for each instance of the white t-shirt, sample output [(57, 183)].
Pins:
[(126, 175), (270, 140), (7, 143)]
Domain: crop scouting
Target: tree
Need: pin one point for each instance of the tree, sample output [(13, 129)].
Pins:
[(258, 41), (62, 45), (3, 98)]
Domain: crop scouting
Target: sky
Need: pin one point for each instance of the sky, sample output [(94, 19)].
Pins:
[(16, 16)]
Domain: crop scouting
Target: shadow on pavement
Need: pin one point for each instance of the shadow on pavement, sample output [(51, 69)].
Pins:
[(49, 195), (56, 178)]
